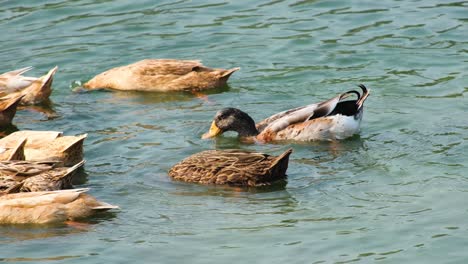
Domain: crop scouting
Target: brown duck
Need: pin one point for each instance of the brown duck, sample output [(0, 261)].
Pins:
[(161, 75), (49, 207), (14, 81), (231, 167), (30, 176), (45, 146), (38, 91)]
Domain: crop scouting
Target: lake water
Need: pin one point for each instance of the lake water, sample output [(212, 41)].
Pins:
[(397, 193)]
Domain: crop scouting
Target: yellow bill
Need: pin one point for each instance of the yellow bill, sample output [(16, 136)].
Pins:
[(213, 132)]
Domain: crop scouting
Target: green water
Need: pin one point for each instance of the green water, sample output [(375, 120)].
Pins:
[(394, 194)]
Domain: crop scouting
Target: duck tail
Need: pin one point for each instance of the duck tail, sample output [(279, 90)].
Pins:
[(17, 152), (363, 97), (228, 73), (280, 164), (48, 78), (18, 71), (75, 148)]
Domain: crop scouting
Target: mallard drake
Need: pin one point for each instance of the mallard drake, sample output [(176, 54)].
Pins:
[(49, 207), (232, 167), (30, 176), (8, 106), (38, 91), (328, 120), (14, 81), (47, 146), (161, 75)]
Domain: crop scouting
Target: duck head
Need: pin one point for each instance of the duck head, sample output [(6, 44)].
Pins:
[(231, 119)]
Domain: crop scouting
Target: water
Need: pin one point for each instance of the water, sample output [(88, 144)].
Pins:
[(397, 193)]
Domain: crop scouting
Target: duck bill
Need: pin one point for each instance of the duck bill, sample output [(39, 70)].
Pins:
[(213, 132)]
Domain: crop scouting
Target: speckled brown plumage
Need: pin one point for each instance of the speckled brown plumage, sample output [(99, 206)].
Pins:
[(161, 75), (35, 176), (232, 167)]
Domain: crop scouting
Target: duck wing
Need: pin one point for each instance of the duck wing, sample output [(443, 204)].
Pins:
[(284, 119)]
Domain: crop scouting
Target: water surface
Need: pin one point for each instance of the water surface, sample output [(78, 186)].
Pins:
[(396, 193)]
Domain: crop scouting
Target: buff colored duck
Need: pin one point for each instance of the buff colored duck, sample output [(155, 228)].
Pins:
[(46, 146), (14, 81), (36, 91), (231, 167), (49, 207), (161, 75), (8, 106), (31, 176), (332, 119)]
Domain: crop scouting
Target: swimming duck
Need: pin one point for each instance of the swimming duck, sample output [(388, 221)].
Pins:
[(14, 81), (31, 176), (37, 91), (8, 106), (49, 207), (231, 167), (47, 146), (161, 75), (328, 120)]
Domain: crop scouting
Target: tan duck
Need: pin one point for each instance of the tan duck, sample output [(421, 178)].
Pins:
[(45, 146), (49, 207), (8, 106), (38, 91), (30, 176), (328, 120), (161, 75), (232, 167), (14, 81)]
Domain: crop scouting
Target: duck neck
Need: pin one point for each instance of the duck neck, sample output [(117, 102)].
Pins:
[(247, 129), (248, 132)]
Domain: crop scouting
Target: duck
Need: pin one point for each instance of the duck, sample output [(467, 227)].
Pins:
[(49, 207), (333, 119), (8, 107), (34, 90), (231, 167), (46, 146), (14, 81), (161, 75), (31, 176)]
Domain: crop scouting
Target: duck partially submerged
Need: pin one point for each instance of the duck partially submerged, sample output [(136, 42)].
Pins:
[(34, 90), (30, 176), (161, 75), (8, 106), (328, 120), (49, 207), (232, 167), (14, 81), (45, 146)]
